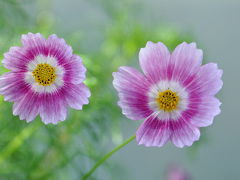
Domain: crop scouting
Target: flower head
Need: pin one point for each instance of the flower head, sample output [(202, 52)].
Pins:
[(177, 173), (175, 95), (45, 78)]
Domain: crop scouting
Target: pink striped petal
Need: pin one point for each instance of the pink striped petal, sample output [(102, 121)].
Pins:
[(184, 134), (27, 107), (75, 71), (153, 132), (209, 75), (184, 62), (77, 95), (52, 108), (206, 110), (58, 48), (16, 59), (154, 59), (31, 40), (132, 87), (12, 86)]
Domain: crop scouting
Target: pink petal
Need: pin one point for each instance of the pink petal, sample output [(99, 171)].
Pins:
[(207, 81), (207, 109), (185, 61), (27, 107), (184, 134), (34, 44), (12, 86), (33, 40), (202, 105), (58, 48), (132, 87), (77, 95), (16, 59), (52, 108), (74, 70), (154, 59), (153, 132)]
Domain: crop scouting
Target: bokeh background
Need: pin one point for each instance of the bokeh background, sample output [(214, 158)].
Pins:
[(108, 34)]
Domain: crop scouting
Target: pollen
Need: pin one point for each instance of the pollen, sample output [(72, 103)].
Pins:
[(44, 74), (167, 100)]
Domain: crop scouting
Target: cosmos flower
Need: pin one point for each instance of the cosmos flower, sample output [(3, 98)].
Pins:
[(177, 173), (175, 96), (45, 78)]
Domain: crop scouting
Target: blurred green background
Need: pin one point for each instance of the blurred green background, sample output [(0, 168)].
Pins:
[(108, 34)]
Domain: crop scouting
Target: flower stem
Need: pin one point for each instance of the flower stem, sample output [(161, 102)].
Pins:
[(108, 155)]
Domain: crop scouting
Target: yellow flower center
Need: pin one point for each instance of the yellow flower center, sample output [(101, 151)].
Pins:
[(167, 100), (44, 74)]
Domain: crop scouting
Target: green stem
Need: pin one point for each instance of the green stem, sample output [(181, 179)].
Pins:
[(108, 155)]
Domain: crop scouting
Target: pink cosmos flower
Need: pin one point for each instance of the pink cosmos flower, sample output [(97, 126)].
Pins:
[(175, 95), (45, 78), (177, 173)]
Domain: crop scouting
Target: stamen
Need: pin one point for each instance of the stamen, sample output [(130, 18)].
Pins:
[(44, 74), (167, 100)]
